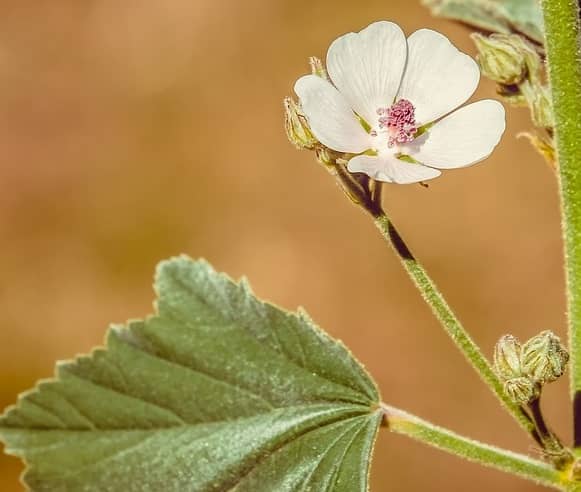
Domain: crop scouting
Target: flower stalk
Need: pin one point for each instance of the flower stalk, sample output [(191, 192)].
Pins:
[(367, 194), (449, 321), (367, 130), (562, 30), (517, 464), (555, 452)]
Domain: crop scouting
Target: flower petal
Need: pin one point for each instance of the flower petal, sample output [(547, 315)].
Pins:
[(367, 67), (331, 119), (463, 138), (438, 77), (390, 169)]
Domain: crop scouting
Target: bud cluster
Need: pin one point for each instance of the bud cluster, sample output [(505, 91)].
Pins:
[(515, 65), (525, 368)]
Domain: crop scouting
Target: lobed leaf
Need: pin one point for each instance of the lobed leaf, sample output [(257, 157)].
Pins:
[(218, 391)]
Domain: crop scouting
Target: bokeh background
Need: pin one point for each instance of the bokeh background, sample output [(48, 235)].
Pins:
[(134, 131)]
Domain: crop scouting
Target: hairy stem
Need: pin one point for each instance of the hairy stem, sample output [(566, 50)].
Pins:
[(564, 63), (449, 321), (560, 456), (517, 464), (538, 419), (370, 200)]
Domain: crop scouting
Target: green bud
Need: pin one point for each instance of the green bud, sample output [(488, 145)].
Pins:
[(544, 358), (507, 358), (520, 390), (542, 108), (507, 58), (538, 99), (297, 128), (499, 59)]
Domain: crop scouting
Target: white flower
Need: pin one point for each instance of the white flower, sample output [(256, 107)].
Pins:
[(385, 95)]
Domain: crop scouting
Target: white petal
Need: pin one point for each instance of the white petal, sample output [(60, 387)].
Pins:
[(463, 138), (367, 67), (330, 117), (438, 77), (390, 169)]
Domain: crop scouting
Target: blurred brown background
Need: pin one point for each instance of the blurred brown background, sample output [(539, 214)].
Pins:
[(133, 131)]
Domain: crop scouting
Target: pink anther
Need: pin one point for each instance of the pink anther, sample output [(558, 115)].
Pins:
[(399, 122)]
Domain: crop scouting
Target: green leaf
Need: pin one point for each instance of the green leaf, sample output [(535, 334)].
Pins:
[(219, 391), (503, 16)]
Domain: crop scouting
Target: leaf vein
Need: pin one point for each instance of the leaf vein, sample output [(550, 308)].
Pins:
[(166, 357)]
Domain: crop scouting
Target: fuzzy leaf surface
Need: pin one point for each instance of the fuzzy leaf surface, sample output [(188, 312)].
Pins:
[(218, 391)]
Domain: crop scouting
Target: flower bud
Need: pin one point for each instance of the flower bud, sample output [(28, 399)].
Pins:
[(506, 58), (542, 108), (507, 358), (297, 128), (538, 100), (543, 358), (520, 390), (499, 59)]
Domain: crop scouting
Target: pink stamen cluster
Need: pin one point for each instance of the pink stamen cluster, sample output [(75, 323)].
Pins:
[(399, 122)]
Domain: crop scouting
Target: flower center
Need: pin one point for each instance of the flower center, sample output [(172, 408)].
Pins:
[(398, 122)]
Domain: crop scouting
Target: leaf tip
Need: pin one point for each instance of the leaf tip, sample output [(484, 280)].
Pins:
[(175, 268)]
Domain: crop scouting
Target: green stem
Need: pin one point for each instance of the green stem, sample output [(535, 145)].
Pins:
[(403, 423), (449, 320), (560, 456), (370, 200), (561, 19)]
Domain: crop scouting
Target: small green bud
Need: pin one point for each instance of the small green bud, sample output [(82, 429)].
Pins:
[(507, 358), (544, 358), (501, 57), (297, 128), (538, 99), (520, 390), (507, 58), (317, 67), (542, 108)]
